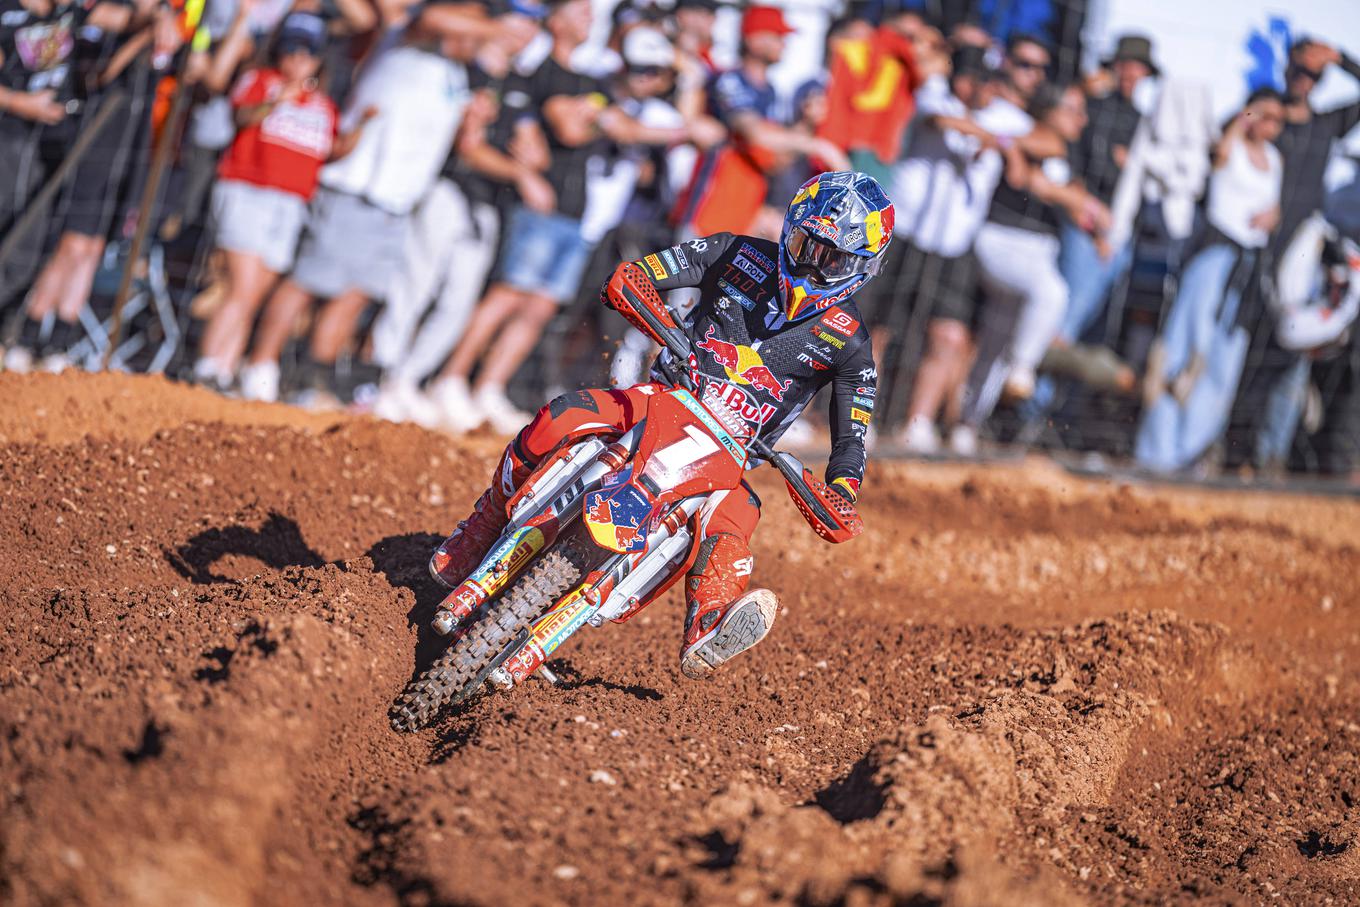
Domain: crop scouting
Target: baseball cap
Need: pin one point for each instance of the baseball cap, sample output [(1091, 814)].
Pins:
[(648, 47), (301, 31), (764, 19)]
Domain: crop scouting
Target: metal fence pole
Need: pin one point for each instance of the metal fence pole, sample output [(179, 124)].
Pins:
[(164, 148)]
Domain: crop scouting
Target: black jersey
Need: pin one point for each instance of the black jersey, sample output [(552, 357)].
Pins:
[(772, 366)]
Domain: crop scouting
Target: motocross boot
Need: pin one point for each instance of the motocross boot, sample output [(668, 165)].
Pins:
[(720, 621), (461, 552)]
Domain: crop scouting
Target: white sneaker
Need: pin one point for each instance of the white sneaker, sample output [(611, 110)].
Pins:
[(963, 441), (211, 373), (54, 363), (19, 359), (393, 402), (454, 408), (504, 417), (260, 381), (920, 436)]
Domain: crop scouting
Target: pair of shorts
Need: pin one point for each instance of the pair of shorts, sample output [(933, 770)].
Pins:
[(545, 254), (259, 221), (952, 284), (349, 244)]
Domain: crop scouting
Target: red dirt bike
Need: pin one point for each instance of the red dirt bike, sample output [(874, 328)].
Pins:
[(604, 526)]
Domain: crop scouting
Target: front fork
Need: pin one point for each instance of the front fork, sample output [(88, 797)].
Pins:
[(553, 499), (613, 591)]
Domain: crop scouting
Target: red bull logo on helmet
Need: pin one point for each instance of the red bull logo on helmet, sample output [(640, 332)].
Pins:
[(743, 365)]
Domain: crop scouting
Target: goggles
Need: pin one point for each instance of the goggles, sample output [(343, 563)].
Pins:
[(823, 263)]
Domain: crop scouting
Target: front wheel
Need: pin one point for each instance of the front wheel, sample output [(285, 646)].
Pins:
[(464, 666)]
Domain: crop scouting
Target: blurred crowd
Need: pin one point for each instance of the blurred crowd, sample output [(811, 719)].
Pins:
[(410, 207)]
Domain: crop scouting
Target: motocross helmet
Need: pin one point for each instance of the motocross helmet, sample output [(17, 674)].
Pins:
[(835, 233)]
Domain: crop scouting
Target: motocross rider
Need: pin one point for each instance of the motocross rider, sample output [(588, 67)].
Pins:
[(775, 322)]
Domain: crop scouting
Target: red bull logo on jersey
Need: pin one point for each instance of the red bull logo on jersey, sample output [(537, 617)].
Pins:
[(743, 365), (740, 402)]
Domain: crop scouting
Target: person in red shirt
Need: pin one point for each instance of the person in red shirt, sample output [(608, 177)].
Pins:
[(286, 130), (730, 182), (874, 77)]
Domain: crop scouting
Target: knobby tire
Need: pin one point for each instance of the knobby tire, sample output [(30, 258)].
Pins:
[(462, 668)]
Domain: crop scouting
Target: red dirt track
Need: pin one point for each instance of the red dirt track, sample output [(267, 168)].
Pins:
[(1017, 688)]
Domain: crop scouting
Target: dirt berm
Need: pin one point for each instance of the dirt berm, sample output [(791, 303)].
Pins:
[(1017, 688)]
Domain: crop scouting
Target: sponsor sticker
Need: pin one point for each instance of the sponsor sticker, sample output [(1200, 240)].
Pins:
[(868, 374), (837, 342), (840, 322), (859, 415), (680, 256), (867, 391), (757, 256), (658, 270), (863, 401), (744, 263), (667, 257), (816, 365), (736, 295)]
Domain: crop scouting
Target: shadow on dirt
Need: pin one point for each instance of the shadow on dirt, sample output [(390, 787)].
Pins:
[(854, 796), (377, 862), (454, 734), (404, 561), (277, 542), (572, 679)]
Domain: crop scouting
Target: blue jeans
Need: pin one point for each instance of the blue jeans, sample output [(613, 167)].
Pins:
[(1089, 278), (545, 254), (1202, 323), (1284, 405)]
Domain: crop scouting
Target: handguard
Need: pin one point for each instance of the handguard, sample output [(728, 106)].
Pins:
[(633, 295), (826, 510)]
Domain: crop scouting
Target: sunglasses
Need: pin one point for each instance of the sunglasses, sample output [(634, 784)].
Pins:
[(1296, 70), (648, 70), (1028, 64)]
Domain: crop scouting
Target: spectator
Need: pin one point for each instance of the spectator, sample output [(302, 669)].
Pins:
[(1305, 144), (1194, 367), (286, 129), (730, 183), (1088, 263), (1025, 68), (39, 90), (453, 241), (614, 176), (354, 240), (546, 253), (870, 93), (944, 185), (694, 62), (1017, 251)]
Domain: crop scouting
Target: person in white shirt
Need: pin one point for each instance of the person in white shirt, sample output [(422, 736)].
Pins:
[(1194, 367), (942, 188), (414, 91)]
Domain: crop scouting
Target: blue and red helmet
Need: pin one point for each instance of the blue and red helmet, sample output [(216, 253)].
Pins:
[(835, 233)]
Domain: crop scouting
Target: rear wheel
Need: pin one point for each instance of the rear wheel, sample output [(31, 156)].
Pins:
[(465, 664)]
